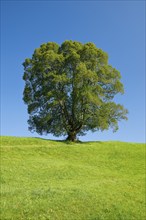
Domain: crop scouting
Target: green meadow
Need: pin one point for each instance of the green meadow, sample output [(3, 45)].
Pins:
[(58, 180)]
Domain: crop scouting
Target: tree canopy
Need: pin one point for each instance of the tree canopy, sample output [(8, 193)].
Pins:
[(69, 90)]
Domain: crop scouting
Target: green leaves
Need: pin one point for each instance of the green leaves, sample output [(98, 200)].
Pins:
[(69, 89)]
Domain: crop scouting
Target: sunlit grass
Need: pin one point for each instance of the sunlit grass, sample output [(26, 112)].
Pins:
[(52, 180)]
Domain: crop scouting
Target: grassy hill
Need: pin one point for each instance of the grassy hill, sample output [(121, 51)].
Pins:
[(54, 180)]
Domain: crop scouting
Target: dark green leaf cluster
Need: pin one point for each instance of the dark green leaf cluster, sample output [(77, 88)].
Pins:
[(69, 89)]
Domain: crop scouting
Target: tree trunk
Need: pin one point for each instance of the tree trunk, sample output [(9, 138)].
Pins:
[(71, 136)]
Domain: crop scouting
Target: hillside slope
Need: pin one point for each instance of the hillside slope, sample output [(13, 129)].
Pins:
[(54, 180)]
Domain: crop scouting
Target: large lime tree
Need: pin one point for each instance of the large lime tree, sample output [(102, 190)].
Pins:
[(69, 90)]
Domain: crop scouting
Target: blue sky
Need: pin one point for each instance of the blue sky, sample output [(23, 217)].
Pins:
[(117, 27)]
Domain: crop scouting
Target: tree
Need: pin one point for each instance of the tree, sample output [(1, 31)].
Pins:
[(69, 89)]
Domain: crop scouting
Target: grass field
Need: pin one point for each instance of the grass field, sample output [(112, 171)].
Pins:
[(54, 180)]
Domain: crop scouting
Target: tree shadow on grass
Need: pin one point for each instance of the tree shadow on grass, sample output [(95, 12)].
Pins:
[(69, 142)]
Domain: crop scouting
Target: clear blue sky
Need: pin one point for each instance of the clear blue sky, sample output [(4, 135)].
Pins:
[(117, 27)]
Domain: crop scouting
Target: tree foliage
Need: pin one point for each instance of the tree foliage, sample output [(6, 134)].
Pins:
[(69, 89)]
